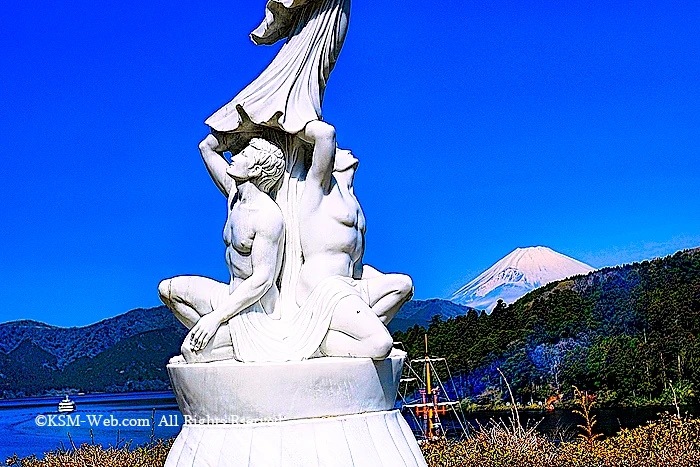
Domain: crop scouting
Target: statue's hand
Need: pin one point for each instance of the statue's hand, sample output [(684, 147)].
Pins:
[(202, 332)]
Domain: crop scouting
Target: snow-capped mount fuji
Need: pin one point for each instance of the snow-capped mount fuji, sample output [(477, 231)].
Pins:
[(521, 271)]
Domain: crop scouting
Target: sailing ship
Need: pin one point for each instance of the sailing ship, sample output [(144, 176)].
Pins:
[(426, 406)]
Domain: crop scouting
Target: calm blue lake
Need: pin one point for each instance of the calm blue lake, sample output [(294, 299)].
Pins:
[(115, 419), (137, 418), (559, 424)]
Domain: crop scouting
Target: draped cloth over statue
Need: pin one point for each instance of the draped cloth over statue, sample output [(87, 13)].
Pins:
[(289, 92), (258, 337)]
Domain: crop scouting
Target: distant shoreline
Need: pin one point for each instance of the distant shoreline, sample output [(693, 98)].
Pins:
[(97, 397), (48, 400)]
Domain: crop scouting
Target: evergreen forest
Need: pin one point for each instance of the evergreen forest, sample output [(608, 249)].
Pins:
[(629, 334)]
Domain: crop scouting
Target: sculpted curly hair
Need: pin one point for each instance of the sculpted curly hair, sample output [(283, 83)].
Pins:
[(270, 159)]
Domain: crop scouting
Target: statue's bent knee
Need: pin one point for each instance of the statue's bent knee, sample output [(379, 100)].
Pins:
[(164, 290), (380, 345), (406, 285)]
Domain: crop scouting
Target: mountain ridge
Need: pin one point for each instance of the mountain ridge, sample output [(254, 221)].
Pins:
[(514, 275), (127, 352), (70, 343), (422, 312)]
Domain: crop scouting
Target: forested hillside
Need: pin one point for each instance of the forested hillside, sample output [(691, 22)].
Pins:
[(421, 312), (125, 353), (628, 333)]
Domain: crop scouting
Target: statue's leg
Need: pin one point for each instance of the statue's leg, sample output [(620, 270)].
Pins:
[(189, 297), (386, 292), (355, 331)]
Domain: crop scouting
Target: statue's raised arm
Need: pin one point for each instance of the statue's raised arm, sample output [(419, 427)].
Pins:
[(322, 136), (212, 152)]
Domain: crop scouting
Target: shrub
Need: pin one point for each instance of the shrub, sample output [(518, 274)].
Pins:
[(670, 441), (151, 455)]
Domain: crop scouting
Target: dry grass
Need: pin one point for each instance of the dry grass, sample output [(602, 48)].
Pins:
[(670, 441), (152, 455), (585, 403)]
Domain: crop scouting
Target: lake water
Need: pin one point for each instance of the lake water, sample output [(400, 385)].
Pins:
[(114, 419), (34, 426), (561, 424)]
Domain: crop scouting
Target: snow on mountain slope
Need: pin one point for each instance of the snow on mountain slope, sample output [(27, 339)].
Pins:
[(521, 271)]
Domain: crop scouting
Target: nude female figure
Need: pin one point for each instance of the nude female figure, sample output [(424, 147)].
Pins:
[(332, 234)]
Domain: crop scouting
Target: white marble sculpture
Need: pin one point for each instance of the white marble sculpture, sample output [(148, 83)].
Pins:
[(290, 363), (332, 238), (289, 92), (253, 235)]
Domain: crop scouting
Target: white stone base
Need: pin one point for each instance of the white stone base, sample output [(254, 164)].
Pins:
[(322, 412), (235, 392), (375, 439)]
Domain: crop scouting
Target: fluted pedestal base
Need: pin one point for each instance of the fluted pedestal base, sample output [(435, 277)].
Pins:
[(376, 439), (315, 413)]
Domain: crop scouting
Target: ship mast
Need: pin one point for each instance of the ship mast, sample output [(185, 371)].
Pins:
[(430, 407)]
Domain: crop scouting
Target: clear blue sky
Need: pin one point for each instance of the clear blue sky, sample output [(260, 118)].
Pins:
[(481, 126)]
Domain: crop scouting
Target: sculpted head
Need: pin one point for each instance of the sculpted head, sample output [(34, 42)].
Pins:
[(344, 160), (261, 163)]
